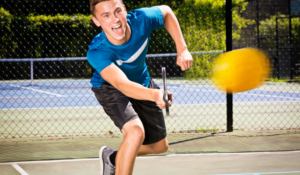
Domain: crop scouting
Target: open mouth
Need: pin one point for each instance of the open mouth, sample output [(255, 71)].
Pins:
[(117, 29)]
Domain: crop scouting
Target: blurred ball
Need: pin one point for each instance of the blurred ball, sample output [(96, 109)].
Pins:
[(241, 70)]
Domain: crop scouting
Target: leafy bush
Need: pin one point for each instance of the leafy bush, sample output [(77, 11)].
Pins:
[(6, 42), (268, 28), (204, 29), (62, 35)]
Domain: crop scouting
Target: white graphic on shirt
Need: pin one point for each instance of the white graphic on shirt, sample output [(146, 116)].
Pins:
[(134, 56)]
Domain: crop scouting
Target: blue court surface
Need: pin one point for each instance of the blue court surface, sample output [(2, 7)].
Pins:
[(77, 93)]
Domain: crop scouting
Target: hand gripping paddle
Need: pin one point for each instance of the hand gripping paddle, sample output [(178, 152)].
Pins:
[(166, 96)]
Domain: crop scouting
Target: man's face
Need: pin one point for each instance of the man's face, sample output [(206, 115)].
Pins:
[(111, 16)]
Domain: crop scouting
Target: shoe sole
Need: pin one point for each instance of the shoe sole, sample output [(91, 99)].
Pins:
[(101, 159)]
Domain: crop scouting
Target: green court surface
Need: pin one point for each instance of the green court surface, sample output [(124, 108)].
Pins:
[(53, 148), (85, 121), (281, 163), (239, 153)]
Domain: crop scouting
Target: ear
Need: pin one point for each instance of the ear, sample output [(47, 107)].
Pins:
[(96, 22)]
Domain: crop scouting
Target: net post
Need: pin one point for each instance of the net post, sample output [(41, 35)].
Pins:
[(229, 48), (31, 72)]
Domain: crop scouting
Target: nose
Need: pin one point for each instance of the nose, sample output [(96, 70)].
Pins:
[(116, 19)]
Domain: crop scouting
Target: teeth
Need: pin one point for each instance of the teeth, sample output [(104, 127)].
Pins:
[(116, 26)]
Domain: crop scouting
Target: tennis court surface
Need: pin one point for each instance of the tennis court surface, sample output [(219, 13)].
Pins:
[(63, 108), (77, 93), (221, 155)]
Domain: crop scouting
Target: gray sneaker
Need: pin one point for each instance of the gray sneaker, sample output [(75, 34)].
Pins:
[(106, 167)]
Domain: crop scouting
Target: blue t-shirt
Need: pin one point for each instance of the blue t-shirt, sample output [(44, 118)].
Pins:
[(129, 57)]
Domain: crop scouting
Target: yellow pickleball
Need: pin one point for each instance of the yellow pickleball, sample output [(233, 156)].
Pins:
[(241, 70)]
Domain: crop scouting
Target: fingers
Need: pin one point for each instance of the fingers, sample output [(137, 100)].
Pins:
[(185, 60), (185, 65), (160, 101), (159, 98), (190, 61), (170, 99), (161, 104)]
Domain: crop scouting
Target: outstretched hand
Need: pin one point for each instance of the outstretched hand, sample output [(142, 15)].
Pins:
[(184, 59)]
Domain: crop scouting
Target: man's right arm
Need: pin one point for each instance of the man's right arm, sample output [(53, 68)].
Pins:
[(116, 77)]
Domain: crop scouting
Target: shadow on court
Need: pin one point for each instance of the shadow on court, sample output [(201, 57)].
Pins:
[(197, 138), (239, 152)]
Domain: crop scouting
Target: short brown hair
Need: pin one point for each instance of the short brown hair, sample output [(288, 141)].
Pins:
[(93, 3)]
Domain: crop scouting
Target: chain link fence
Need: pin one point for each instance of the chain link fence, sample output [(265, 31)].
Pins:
[(275, 29), (45, 88)]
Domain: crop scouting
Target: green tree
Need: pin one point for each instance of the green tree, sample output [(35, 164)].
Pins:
[(204, 29), (268, 28), (32, 34), (7, 43)]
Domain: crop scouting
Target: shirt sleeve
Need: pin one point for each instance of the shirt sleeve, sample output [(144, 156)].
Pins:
[(99, 59), (153, 17)]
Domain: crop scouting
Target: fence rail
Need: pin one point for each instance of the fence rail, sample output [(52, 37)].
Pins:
[(84, 58), (32, 60)]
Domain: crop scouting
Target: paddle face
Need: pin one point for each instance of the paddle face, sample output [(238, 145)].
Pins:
[(241, 70), (166, 96)]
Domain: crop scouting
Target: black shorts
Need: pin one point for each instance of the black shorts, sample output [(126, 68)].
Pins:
[(122, 109)]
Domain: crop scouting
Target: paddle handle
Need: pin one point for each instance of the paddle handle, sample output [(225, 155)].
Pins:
[(166, 96)]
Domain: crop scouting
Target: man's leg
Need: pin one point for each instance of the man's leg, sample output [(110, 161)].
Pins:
[(133, 133), (154, 148), (133, 137), (118, 107), (152, 117)]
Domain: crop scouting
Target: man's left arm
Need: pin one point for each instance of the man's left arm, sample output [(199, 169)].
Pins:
[(184, 57)]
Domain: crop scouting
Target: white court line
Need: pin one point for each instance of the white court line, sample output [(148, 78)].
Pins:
[(246, 93), (217, 90), (274, 96), (283, 172), (225, 154), (46, 96), (92, 95), (50, 161), (195, 104), (19, 169), (150, 157), (32, 96), (38, 90), (72, 107)]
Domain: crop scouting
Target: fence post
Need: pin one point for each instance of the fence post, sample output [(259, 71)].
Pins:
[(229, 48), (31, 72), (257, 23), (290, 41), (277, 47)]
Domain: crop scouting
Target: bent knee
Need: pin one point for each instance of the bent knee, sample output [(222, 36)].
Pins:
[(135, 134), (165, 148), (162, 149), (134, 128), (138, 131)]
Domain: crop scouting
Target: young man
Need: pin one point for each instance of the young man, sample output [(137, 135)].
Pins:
[(122, 84)]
